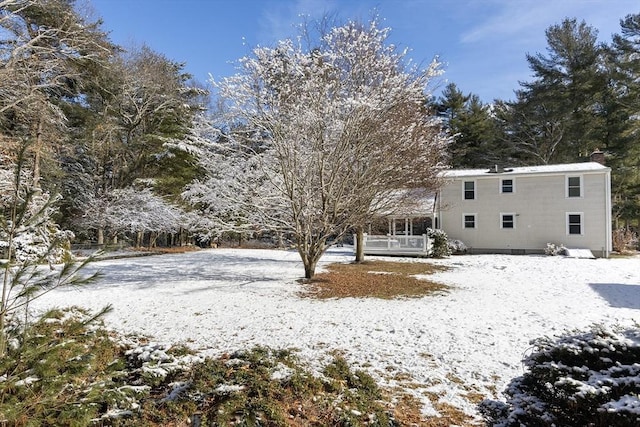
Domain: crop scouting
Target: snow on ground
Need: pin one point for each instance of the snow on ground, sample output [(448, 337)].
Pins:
[(471, 339)]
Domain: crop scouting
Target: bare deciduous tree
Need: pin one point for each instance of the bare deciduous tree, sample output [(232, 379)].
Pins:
[(323, 136)]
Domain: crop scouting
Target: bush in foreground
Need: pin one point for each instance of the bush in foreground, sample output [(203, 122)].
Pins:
[(58, 371), (581, 379), (66, 369), (264, 387)]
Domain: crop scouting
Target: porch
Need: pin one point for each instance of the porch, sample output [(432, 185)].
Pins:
[(401, 229), (396, 245)]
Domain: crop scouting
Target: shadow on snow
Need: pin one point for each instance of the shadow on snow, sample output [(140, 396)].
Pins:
[(219, 270), (619, 295)]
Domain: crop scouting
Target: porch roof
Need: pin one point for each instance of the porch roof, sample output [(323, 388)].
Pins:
[(407, 203)]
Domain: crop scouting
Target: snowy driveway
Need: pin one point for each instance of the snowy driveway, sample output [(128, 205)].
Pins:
[(221, 300)]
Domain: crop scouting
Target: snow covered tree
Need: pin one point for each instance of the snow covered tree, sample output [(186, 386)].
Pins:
[(151, 103), (137, 107), (46, 49), (580, 379), (325, 134), (27, 231), (215, 209), (130, 211)]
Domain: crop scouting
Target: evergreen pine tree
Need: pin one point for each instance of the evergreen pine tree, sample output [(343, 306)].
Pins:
[(557, 117), (471, 123), (624, 120)]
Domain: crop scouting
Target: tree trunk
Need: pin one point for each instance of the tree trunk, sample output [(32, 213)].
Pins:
[(37, 155), (359, 244), (309, 267), (310, 256), (101, 236)]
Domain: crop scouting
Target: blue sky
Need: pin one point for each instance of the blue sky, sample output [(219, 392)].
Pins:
[(482, 43)]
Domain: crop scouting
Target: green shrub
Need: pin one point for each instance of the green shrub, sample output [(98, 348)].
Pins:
[(66, 369), (57, 369), (440, 243), (272, 388), (582, 379)]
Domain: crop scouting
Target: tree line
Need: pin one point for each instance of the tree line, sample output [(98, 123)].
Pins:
[(308, 140), (584, 96), (92, 121)]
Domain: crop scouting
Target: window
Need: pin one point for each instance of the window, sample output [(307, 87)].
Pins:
[(506, 186), (469, 220), (574, 186), (574, 223), (507, 220), (469, 190)]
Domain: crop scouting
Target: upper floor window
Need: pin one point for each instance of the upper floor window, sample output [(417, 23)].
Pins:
[(469, 190), (574, 186), (506, 186)]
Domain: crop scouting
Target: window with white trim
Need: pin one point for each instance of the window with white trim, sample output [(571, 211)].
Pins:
[(469, 220), (469, 189), (575, 223), (574, 186), (507, 220), (507, 186)]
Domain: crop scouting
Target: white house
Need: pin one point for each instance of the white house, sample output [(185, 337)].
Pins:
[(518, 210)]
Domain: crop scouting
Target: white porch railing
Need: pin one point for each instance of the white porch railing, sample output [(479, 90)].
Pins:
[(396, 245)]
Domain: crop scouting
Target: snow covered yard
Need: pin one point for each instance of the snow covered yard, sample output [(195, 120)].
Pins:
[(458, 346)]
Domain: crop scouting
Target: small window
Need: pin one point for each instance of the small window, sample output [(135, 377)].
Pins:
[(508, 220), (574, 186), (469, 190), (574, 223), (507, 186), (469, 220)]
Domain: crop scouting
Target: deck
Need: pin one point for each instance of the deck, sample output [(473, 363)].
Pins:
[(397, 245)]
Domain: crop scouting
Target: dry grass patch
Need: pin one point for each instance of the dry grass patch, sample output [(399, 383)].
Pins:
[(449, 414), (375, 279), (407, 411)]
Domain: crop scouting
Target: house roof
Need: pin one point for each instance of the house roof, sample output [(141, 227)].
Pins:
[(528, 170)]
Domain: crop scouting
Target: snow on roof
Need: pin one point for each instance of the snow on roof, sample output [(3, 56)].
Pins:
[(525, 170), (412, 202)]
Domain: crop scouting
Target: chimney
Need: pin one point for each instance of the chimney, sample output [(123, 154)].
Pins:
[(597, 156)]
